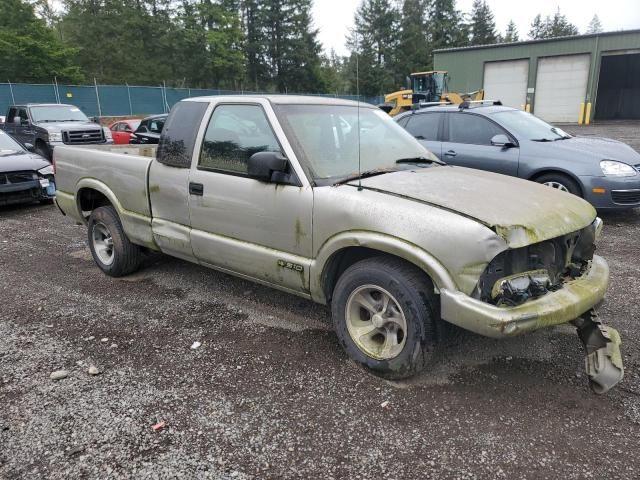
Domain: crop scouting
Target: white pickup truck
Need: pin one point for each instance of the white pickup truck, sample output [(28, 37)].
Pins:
[(333, 201)]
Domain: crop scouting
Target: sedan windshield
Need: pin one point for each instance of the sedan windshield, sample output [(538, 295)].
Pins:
[(326, 139), (8, 146), (57, 113), (528, 127)]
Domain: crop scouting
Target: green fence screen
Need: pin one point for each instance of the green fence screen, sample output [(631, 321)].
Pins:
[(117, 100)]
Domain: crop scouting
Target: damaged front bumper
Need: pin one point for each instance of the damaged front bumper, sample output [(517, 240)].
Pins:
[(565, 305)]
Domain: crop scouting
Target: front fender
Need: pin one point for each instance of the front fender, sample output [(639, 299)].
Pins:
[(383, 243)]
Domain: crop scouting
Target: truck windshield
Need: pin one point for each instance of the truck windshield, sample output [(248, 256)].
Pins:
[(8, 146), (57, 113), (326, 140)]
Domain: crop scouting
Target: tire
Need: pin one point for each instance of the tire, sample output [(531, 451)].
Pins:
[(561, 182), (386, 350), (43, 151), (115, 257)]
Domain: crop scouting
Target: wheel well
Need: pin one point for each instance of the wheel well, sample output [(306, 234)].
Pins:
[(537, 175), (343, 259), (90, 199)]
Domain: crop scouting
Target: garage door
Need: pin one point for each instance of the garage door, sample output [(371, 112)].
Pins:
[(507, 82), (561, 86)]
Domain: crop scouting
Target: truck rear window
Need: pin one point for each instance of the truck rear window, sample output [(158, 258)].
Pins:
[(179, 134)]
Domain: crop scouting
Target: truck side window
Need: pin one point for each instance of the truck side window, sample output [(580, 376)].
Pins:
[(234, 133), (179, 135), (24, 118)]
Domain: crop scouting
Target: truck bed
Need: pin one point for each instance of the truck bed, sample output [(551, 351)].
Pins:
[(120, 172)]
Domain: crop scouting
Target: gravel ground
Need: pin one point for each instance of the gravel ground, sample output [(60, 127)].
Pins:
[(269, 393)]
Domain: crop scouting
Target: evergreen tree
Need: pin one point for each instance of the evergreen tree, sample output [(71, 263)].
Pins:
[(594, 25), (447, 26), (538, 28), (374, 40), (30, 50), (552, 27), (511, 35), (483, 26), (559, 26), (414, 52)]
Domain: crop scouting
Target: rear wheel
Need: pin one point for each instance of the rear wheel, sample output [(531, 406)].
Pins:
[(111, 249), (560, 182), (384, 316)]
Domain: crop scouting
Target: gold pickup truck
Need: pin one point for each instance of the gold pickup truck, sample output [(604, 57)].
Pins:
[(333, 201)]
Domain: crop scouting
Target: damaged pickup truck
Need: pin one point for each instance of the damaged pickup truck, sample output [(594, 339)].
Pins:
[(333, 201)]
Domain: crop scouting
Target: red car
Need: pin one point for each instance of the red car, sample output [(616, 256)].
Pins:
[(122, 131)]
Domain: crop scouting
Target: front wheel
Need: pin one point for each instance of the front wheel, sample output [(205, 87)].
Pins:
[(560, 182), (111, 249), (384, 315)]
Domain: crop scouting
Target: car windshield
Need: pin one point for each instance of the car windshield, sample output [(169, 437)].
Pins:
[(57, 113), (326, 137), (8, 146), (526, 126)]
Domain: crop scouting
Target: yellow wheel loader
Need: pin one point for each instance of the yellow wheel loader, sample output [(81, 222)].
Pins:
[(426, 88)]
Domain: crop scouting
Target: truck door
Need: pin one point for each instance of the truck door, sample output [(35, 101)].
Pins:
[(169, 180), (253, 228), (24, 132), (9, 126)]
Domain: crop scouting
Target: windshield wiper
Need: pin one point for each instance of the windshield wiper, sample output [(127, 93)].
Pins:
[(365, 174), (415, 160), (542, 140)]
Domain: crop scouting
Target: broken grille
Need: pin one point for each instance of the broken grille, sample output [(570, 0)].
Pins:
[(17, 177)]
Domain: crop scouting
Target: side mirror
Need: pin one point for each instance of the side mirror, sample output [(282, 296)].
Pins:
[(268, 167), (30, 147), (17, 121), (501, 141)]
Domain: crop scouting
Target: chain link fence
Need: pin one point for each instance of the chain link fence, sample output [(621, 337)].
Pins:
[(119, 100)]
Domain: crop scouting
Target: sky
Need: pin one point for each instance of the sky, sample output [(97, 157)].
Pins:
[(335, 17)]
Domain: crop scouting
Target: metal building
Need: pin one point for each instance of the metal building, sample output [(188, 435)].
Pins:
[(554, 76)]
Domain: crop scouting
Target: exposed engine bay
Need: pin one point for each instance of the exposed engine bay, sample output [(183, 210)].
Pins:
[(517, 275)]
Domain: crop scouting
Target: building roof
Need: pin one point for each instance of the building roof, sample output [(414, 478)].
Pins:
[(543, 40)]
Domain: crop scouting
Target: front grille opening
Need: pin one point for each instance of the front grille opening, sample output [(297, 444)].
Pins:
[(517, 275), (625, 197)]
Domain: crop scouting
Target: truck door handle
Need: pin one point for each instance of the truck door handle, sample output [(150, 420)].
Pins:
[(196, 189), (450, 153)]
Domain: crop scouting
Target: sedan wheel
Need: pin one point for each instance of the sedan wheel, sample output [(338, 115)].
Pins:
[(557, 186)]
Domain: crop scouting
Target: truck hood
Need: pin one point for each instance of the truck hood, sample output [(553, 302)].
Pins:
[(19, 161), (594, 148), (59, 126), (520, 211)]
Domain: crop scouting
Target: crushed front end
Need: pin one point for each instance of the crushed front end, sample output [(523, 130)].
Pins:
[(547, 283), (26, 186)]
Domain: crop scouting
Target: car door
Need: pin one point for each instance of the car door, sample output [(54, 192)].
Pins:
[(117, 133), (468, 144), (253, 228), (426, 128)]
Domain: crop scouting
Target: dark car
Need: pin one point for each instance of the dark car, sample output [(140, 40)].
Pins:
[(505, 140), (149, 129), (47, 125), (24, 176)]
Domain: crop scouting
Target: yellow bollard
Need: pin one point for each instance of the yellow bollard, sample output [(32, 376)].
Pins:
[(581, 115), (522, 107), (587, 117), (527, 108)]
